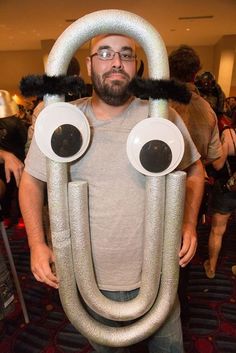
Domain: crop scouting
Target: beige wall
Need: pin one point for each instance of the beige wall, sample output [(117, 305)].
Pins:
[(225, 62), (233, 83), (206, 54), (16, 64)]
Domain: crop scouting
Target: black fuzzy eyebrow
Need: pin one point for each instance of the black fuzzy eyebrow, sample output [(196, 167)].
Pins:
[(36, 85)]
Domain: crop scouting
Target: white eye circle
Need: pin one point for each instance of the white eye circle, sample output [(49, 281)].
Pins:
[(62, 132), (155, 146)]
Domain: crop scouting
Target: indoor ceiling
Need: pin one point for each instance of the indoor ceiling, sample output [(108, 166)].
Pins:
[(24, 23)]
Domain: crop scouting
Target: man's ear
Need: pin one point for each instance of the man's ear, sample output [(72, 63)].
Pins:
[(88, 64)]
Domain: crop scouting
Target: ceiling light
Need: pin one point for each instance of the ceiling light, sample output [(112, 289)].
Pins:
[(196, 17)]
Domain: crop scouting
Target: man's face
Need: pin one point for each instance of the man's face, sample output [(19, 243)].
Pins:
[(111, 78)]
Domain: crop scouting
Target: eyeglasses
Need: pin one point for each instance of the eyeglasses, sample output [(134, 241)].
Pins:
[(107, 54)]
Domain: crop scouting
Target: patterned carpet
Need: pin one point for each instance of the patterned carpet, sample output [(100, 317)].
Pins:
[(210, 328)]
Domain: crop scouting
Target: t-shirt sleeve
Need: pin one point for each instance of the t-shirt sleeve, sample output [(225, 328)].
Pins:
[(35, 162), (191, 153)]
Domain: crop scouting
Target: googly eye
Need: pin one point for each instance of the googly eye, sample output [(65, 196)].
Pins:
[(62, 132), (155, 146)]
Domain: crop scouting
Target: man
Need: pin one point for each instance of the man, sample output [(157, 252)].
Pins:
[(201, 122), (116, 190), (198, 116)]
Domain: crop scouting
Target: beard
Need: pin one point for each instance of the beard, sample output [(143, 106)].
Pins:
[(114, 93)]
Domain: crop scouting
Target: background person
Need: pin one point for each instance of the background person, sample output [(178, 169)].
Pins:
[(212, 92), (201, 122), (198, 116), (13, 136), (223, 201)]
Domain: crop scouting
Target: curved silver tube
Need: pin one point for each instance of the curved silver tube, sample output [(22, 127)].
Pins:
[(164, 236), (152, 256), (151, 321), (100, 22)]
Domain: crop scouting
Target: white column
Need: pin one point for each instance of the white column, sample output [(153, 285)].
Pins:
[(226, 70)]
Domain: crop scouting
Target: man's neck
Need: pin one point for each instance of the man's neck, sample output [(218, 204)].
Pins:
[(104, 111)]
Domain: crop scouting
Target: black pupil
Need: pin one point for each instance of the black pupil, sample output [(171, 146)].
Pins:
[(66, 140), (155, 156)]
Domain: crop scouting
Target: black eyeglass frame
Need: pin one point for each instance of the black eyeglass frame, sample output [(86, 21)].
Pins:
[(134, 56)]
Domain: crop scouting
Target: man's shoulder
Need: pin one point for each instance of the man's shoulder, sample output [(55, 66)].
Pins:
[(143, 105), (81, 102), (139, 103), (200, 100), (199, 104)]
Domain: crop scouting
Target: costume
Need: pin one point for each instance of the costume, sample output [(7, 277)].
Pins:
[(159, 342), (125, 210), (211, 91), (116, 193)]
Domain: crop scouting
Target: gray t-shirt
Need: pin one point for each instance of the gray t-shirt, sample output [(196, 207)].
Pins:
[(116, 192)]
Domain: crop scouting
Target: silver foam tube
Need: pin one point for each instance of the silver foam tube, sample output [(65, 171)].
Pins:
[(62, 245), (152, 256), (112, 21), (64, 239)]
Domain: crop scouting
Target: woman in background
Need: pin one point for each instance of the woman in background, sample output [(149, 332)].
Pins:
[(223, 196)]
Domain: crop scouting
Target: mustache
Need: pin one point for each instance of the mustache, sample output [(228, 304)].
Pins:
[(116, 70)]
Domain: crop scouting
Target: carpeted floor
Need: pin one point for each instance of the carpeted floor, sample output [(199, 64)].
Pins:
[(210, 326)]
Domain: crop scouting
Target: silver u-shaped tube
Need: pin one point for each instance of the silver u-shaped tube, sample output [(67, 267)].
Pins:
[(152, 256), (103, 21), (62, 245), (79, 32)]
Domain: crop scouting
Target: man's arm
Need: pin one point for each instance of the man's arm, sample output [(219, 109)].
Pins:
[(194, 193), (31, 197), (12, 165)]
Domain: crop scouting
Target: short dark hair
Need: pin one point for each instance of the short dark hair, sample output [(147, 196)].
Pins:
[(74, 67), (184, 63)]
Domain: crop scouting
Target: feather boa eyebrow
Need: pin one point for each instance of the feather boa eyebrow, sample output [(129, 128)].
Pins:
[(36, 85), (160, 89), (39, 85)]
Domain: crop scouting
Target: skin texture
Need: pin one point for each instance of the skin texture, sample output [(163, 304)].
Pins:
[(109, 100)]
